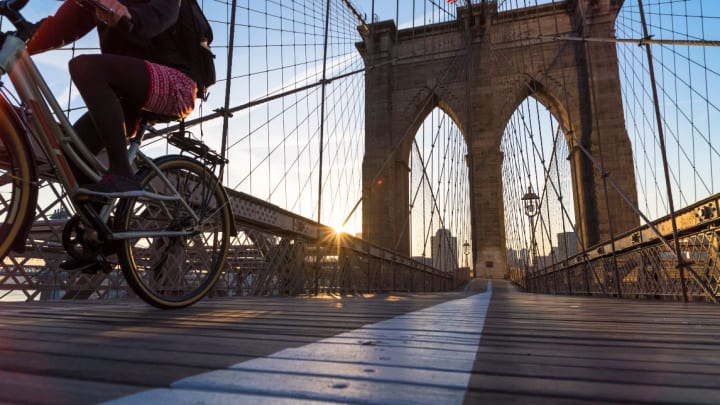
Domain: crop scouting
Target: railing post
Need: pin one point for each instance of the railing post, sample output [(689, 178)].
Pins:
[(368, 274), (587, 275), (394, 274)]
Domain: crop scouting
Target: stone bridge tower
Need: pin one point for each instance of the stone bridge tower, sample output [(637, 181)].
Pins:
[(479, 69)]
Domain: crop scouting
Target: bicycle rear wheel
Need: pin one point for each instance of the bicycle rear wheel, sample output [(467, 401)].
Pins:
[(176, 271), (18, 190)]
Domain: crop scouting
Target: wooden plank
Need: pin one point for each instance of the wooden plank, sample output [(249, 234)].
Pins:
[(533, 348), (603, 391), (395, 373), (323, 388), (195, 397), (33, 389), (129, 343), (552, 356), (563, 349)]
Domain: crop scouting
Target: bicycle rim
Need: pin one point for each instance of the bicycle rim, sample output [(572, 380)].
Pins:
[(174, 272), (17, 190)]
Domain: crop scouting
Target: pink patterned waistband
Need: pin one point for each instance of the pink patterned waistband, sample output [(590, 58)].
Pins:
[(171, 91)]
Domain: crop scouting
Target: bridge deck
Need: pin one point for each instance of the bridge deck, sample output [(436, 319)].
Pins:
[(496, 346)]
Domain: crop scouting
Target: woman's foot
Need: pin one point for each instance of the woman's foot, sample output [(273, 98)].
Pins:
[(83, 266), (113, 185)]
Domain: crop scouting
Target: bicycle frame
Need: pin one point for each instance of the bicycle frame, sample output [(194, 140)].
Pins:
[(40, 112), (46, 123)]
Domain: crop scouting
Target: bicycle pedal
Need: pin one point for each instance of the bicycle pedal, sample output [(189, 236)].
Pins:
[(106, 267)]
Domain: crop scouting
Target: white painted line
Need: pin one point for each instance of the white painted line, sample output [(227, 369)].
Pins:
[(424, 357)]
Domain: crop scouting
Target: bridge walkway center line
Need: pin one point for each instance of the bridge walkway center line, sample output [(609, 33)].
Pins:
[(423, 357)]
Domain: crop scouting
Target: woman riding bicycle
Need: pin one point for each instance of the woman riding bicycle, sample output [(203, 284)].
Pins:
[(141, 67)]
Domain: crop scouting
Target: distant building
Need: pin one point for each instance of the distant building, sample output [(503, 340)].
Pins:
[(542, 262), (424, 260), (444, 250), (518, 257), (60, 213), (567, 245)]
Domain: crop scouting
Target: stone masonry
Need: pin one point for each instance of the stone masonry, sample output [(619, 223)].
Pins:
[(478, 70)]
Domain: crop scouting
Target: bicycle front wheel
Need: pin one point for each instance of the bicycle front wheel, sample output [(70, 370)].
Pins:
[(176, 271)]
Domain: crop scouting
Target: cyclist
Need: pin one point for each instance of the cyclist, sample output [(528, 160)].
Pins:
[(140, 67)]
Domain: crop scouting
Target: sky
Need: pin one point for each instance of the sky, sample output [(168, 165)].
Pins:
[(687, 79)]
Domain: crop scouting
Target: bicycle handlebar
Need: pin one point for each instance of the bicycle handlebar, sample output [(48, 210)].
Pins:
[(11, 10), (124, 24)]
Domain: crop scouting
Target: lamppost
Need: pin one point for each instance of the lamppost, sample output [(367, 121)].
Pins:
[(466, 251), (532, 209)]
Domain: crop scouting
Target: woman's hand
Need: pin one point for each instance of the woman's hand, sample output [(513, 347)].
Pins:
[(111, 11)]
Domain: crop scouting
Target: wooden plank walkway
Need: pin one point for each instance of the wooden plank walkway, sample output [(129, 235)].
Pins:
[(494, 345)]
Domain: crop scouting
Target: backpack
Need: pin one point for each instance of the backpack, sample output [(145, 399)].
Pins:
[(195, 33)]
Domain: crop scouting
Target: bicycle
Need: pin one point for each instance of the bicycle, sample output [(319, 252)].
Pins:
[(174, 238)]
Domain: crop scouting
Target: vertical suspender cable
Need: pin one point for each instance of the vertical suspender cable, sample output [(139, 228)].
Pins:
[(228, 81), (322, 137), (663, 150), (322, 109)]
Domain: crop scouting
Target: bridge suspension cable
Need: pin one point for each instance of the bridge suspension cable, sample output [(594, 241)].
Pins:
[(642, 41)]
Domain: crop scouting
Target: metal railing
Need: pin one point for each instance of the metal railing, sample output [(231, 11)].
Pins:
[(644, 263), (275, 252)]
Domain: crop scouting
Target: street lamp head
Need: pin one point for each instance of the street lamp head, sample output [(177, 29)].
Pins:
[(466, 248), (530, 202)]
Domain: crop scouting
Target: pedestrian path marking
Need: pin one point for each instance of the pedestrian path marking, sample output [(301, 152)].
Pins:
[(423, 357)]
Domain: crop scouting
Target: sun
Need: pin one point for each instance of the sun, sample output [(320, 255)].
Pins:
[(348, 227), (339, 229)]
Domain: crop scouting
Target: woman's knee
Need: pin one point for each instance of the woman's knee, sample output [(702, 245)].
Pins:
[(81, 67)]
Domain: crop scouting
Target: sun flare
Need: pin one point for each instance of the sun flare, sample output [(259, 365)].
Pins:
[(339, 229)]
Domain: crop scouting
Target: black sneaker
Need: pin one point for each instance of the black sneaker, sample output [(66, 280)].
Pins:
[(112, 185), (88, 267)]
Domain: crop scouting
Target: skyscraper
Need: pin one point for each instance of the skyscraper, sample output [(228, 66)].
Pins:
[(567, 245), (444, 250)]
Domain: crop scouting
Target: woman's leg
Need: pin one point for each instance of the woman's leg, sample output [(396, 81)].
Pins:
[(106, 84), (85, 129)]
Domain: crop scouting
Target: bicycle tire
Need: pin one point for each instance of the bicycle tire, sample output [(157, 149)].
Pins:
[(18, 188), (175, 272)]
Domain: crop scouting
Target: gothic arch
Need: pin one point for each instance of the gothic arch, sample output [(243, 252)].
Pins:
[(403, 87), (432, 98)]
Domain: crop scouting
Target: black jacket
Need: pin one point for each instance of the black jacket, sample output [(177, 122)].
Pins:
[(152, 36)]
